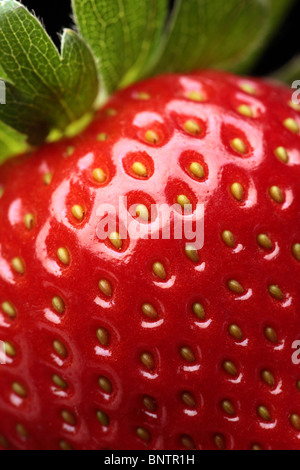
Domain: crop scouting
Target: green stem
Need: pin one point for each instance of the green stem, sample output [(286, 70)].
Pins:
[(73, 129)]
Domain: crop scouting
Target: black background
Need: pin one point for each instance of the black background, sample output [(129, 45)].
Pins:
[(56, 14)]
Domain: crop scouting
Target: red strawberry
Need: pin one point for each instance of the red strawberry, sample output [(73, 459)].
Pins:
[(105, 348)]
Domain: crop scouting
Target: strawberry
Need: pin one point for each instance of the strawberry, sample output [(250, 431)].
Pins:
[(127, 343)]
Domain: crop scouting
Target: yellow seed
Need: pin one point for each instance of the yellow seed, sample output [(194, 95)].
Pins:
[(263, 412), (152, 137), (298, 384), (228, 238), (192, 127), (102, 137), (21, 430), (48, 178), (264, 241), (58, 304), (296, 251), (102, 418), (142, 212), (230, 368), (149, 403), (9, 349), (63, 255), (195, 96), (220, 442), (294, 106), (159, 270), (189, 399), (18, 265), (110, 112), (228, 407), (70, 150), (149, 310), (184, 202), (4, 442), (139, 169), (199, 311), (60, 348), (235, 287), (64, 445), (291, 125), (142, 95), (237, 191), (103, 336), (143, 433), (105, 384), (270, 334), (148, 360), (68, 417), (281, 154), (276, 194), (268, 377), (29, 221), (245, 110), (99, 175), (187, 442), (19, 389), (78, 212), (192, 253), (256, 447), (1, 191), (247, 88), (295, 421), (187, 354), (116, 240), (276, 292), (105, 287), (238, 145), (9, 309), (235, 331), (197, 170), (57, 380)]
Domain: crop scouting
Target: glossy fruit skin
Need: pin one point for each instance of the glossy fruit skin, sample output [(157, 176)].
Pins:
[(172, 424)]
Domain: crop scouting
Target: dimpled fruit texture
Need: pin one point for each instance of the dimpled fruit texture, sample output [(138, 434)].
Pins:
[(127, 343)]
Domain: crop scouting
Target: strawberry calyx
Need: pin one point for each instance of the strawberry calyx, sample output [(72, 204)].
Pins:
[(49, 94)]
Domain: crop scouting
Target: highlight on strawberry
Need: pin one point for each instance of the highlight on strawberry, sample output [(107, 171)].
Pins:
[(149, 229)]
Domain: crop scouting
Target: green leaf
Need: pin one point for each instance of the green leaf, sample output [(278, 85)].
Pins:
[(279, 10), (45, 90), (2, 73), (11, 142), (289, 73), (217, 33), (123, 35)]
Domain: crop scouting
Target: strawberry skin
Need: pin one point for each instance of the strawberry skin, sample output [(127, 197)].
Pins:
[(106, 349)]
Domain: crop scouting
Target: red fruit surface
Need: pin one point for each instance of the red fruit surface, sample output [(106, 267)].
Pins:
[(204, 384)]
